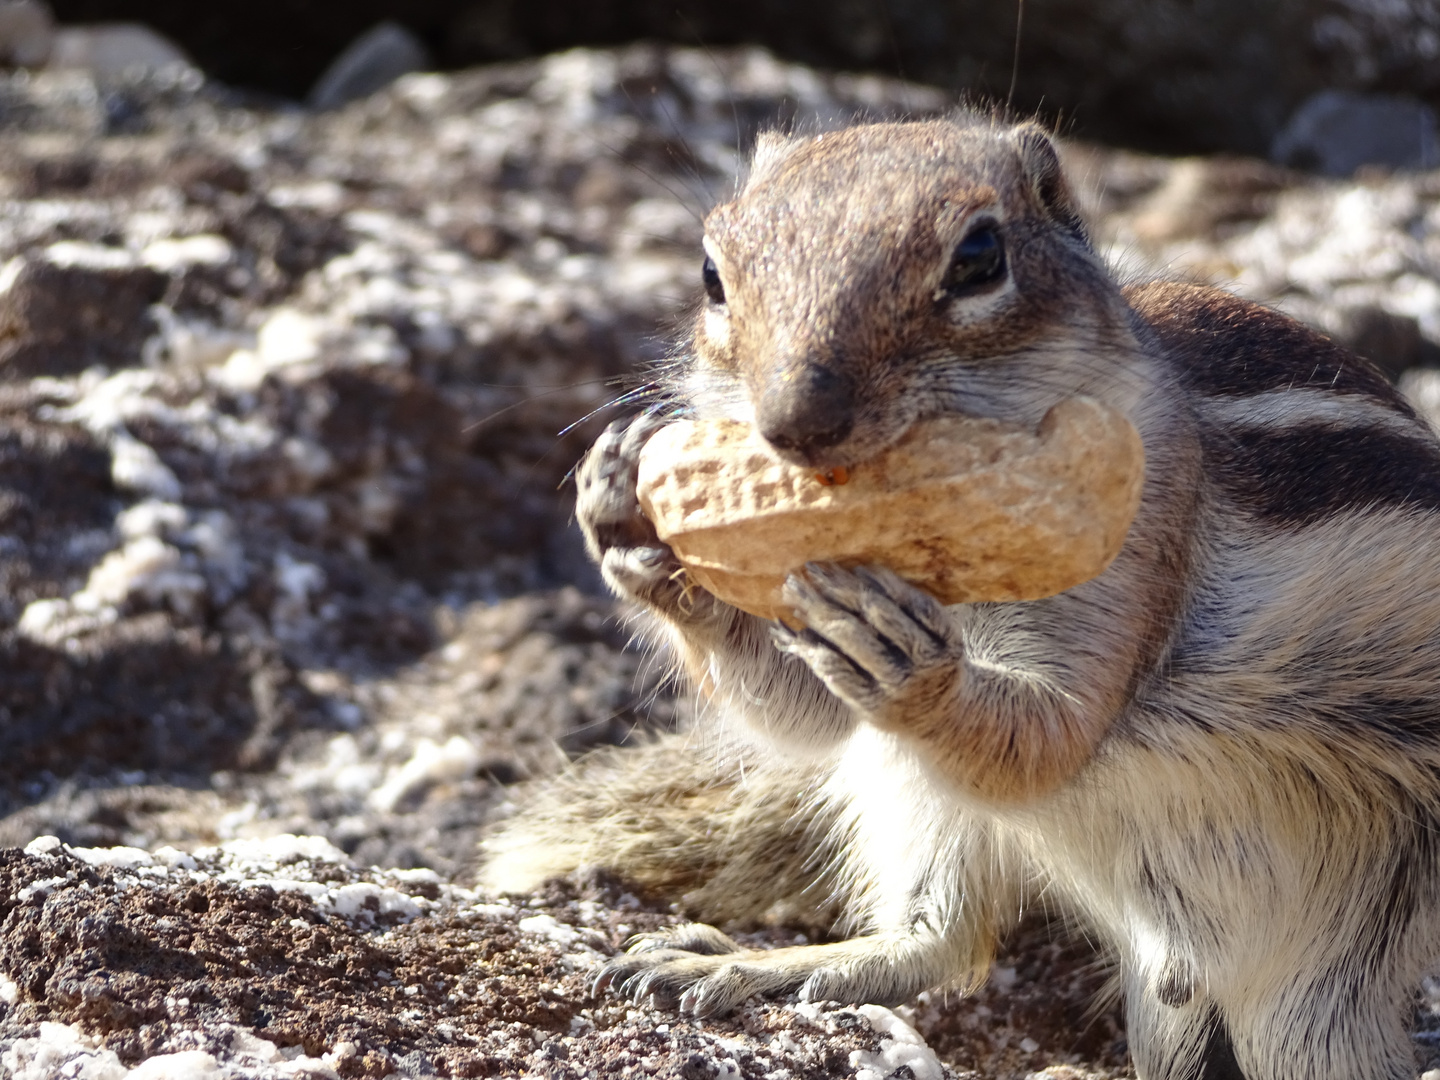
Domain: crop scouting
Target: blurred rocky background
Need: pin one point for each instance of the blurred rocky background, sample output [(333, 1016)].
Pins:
[(1165, 75), (299, 340)]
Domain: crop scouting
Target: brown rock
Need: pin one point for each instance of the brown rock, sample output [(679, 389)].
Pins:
[(61, 319)]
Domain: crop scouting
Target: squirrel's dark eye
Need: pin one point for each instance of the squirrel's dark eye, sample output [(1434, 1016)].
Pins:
[(710, 274), (979, 260)]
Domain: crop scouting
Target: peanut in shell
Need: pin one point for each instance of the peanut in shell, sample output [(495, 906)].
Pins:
[(967, 509)]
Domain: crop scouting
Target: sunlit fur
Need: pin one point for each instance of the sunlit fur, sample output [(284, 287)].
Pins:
[(1222, 754)]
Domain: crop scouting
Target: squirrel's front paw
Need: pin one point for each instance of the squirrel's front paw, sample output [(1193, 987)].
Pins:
[(884, 647), (619, 537)]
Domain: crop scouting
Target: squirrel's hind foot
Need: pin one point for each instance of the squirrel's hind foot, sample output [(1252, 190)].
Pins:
[(703, 973)]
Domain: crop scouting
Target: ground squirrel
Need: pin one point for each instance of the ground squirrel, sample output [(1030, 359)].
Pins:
[(1222, 754)]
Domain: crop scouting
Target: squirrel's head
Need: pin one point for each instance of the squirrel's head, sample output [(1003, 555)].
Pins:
[(866, 277)]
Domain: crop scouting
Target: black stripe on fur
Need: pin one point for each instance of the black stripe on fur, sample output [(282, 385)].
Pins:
[(1302, 475), (1223, 346)]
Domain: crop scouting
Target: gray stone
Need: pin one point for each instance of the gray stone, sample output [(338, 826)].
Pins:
[(27, 33), (371, 62), (112, 49), (1391, 342), (1336, 132)]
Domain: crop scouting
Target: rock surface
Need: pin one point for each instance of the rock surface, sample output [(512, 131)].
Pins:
[(287, 403), (1166, 75), (279, 959)]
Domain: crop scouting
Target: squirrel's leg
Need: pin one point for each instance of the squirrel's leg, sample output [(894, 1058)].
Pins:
[(1304, 946), (877, 969), (1343, 1017), (726, 652), (935, 886), (1342, 1027), (1189, 1043), (1007, 701)]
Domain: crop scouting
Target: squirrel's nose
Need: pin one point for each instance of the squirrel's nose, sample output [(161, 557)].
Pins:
[(805, 410)]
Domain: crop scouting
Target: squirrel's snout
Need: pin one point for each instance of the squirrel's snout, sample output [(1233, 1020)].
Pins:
[(806, 410)]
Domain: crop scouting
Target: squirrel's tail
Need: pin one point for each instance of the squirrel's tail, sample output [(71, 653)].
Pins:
[(733, 842)]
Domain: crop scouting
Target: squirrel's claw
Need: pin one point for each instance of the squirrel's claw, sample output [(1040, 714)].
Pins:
[(665, 965)]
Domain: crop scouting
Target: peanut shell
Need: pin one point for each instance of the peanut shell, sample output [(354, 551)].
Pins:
[(967, 509)]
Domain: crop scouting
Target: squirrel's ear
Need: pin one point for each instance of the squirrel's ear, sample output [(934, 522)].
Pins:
[(1042, 168), (771, 148)]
